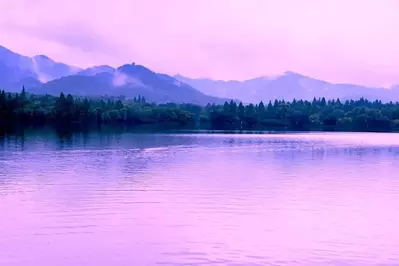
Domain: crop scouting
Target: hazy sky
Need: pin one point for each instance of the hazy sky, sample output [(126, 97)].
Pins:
[(353, 41)]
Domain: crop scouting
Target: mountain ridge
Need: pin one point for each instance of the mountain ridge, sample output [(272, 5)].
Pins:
[(42, 75), (288, 86)]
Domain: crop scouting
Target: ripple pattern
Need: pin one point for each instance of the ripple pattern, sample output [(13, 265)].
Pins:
[(200, 199)]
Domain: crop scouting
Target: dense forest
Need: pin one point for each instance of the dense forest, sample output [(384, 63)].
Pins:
[(23, 109)]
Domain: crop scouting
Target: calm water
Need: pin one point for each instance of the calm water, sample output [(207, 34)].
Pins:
[(199, 199)]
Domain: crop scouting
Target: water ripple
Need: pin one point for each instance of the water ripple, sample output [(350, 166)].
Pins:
[(200, 199)]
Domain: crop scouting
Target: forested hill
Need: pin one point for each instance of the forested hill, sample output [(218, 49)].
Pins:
[(25, 109)]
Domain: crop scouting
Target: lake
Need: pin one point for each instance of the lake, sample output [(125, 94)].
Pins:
[(199, 199)]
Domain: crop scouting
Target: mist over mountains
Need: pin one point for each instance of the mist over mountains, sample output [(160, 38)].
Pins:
[(40, 74)]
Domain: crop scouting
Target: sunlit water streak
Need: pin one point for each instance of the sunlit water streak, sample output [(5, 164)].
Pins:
[(200, 199)]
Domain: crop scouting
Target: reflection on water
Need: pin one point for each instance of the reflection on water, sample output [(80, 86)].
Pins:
[(199, 199)]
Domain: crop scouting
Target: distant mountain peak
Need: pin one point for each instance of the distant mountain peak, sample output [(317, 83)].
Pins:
[(94, 70), (103, 66), (292, 73), (134, 69), (43, 57)]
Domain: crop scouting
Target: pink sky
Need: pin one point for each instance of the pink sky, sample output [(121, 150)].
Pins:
[(354, 41)]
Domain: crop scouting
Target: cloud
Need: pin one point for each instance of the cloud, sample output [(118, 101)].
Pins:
[(73, 35), (42, 76), (337, 40), (121, 79)]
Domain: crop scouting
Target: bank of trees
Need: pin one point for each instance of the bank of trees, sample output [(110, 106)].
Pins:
[(319, 114), (360, 115)]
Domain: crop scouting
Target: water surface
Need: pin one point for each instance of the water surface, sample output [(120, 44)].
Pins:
[(199, 199)]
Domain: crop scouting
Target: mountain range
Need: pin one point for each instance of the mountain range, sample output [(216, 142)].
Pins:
[(40, 74), (289, 86)]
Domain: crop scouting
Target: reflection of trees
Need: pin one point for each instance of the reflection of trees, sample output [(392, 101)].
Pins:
[(64, 135), (2, 141)]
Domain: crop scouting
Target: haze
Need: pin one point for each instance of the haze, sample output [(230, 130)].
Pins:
[(340, 41)]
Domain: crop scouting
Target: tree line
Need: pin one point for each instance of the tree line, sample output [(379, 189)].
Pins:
[(24, 109)]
